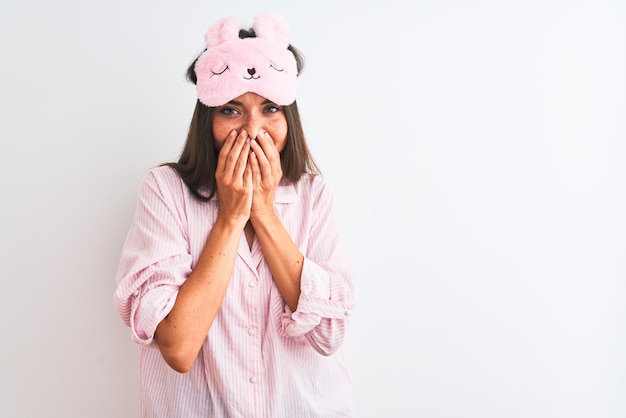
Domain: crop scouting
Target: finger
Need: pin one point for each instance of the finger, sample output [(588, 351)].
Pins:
[(226, 148), (259, 150), (270, 150), (265, 167), (267, 143), (255, 170), (234, 154), (242, 160), (248, 175)]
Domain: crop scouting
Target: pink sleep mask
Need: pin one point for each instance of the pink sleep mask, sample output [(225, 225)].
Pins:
[(232, 66)]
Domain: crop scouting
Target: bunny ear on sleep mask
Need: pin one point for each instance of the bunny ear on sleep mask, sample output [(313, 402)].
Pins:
[(232, 66)]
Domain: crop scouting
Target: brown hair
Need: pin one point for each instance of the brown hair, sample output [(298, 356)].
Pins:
[(198, 159)]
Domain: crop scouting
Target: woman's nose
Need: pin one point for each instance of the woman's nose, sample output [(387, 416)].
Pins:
[(253, 126)]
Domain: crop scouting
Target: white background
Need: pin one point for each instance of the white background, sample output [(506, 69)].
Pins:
[(477, 150)]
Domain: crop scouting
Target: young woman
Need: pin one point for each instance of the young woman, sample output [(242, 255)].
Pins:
[(231, 277)]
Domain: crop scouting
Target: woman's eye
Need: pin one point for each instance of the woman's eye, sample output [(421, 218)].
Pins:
[(228, 111), (272, 109)]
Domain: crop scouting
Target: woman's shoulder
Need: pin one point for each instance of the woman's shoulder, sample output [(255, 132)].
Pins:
[(313, 184), (162, 174), (311, 180), (162, 177)]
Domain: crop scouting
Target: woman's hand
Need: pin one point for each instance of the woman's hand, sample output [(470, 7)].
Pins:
[(234, 176), (264, 161), (281, 254)]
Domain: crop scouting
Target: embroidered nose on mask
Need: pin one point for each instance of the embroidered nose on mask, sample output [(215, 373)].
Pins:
[(252, 72)]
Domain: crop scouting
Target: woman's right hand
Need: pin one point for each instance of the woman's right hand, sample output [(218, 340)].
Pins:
[(181, 333), (234, 178)]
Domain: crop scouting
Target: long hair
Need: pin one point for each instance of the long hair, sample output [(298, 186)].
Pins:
[(198, 160)]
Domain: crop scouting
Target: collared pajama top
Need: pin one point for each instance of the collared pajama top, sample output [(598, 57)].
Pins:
[(259, 359)]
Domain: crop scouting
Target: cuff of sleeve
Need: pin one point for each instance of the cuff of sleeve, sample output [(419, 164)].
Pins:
[(314, 303), (148, 310)]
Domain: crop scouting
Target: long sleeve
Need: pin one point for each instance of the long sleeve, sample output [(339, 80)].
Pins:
[(155, 260), (327, 288)]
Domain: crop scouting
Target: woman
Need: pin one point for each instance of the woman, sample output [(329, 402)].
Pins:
[(231, 276)]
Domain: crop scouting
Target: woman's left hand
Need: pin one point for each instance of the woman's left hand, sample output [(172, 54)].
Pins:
[(264, 160)]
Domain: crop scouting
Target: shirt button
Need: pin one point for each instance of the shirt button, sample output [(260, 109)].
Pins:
[(136, 293), (254, 379), (348, 313), (251, 283), (251, 331)]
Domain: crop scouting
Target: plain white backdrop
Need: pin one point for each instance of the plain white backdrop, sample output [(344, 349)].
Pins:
[(477, 150)]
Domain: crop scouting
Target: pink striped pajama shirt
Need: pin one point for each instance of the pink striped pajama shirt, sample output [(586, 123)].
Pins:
[(259, 359)]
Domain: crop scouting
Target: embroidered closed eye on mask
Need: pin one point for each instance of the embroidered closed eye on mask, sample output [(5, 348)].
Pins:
[(232, 66)]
